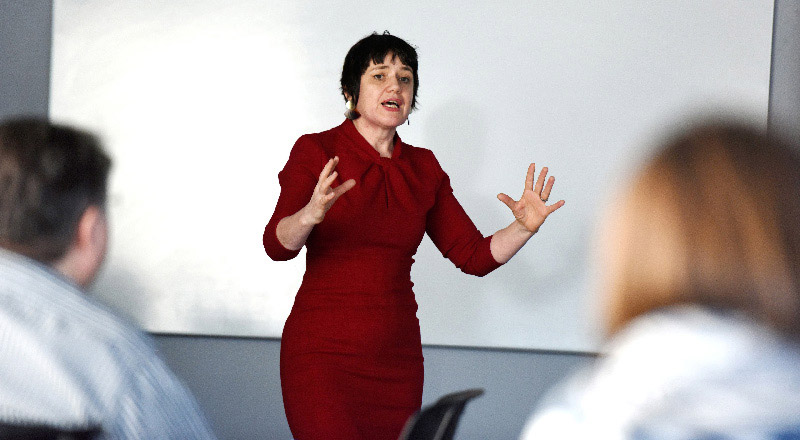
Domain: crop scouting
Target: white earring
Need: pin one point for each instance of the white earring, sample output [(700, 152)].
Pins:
[(351, 112)]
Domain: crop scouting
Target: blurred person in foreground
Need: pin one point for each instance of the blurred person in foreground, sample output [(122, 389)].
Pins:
[(66, 362), (701, 282)]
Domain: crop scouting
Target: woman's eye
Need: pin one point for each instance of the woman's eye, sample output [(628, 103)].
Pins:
[(378, 76), (405, 79)]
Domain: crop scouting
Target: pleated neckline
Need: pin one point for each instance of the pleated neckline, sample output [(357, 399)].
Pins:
[(363, 146)]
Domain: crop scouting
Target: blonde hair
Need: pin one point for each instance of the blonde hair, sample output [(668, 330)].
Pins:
[(713, 219)]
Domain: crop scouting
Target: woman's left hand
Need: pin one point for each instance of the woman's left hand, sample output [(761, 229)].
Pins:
[(531, 209)]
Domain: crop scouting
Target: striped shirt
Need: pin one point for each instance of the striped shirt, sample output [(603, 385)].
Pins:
[(67, 361)]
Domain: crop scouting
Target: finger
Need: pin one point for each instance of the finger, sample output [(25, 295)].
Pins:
[(507, 200), (540, 181), (529, 176), (326, 170), (329, 181), (548, 188), (341, 189), (328, 198), (552, 208), (344, 187), (324, 186)]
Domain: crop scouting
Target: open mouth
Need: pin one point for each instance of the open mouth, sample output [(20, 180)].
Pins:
[(391, 104)]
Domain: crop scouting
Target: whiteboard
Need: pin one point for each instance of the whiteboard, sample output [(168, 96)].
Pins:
[(199, 103)]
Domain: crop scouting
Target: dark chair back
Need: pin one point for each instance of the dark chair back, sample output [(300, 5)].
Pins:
[(439, 420), (9, 431)]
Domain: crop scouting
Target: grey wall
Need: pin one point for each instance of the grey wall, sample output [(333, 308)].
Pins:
[(24, 56), (784, 91), (236, 379)]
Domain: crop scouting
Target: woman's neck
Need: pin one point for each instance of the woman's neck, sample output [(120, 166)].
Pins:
[(381, 139)]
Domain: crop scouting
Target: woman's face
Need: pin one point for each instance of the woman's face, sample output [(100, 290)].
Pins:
[(386, 92)]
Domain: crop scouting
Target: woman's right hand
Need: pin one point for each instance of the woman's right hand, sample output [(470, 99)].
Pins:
[(324, 195), (292, 231)]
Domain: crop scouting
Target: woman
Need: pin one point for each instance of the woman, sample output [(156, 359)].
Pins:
[(360, 200), (702, 288)]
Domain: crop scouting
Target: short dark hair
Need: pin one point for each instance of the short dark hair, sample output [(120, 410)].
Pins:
[(49, 175), (374, 48)]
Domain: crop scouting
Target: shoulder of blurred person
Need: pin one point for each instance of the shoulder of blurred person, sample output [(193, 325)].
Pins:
[(67, 361), (683, 372)]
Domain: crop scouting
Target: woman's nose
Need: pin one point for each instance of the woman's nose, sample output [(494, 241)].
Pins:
[(394, 83)]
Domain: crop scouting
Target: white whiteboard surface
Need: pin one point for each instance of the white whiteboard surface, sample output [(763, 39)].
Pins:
[(199, 103)]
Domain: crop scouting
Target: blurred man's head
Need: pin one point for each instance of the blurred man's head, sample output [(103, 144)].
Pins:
[(52, 196)]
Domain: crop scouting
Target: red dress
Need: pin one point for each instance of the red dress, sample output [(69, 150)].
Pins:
[(351, 356)]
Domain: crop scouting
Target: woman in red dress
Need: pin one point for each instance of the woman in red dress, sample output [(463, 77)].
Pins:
[(360, 200)]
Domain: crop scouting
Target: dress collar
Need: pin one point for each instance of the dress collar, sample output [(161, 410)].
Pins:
[(350, 131)]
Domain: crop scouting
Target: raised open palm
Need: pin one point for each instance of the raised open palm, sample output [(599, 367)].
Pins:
[(324, 195), (531, 210)]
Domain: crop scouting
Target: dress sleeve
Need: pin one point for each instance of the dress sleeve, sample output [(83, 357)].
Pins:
[(455, 235), (297, 180)]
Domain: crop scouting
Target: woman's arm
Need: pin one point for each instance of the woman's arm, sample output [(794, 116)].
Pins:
[(530, 212), (292, 231)]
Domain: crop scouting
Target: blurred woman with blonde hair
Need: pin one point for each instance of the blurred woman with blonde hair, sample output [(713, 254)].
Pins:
[(701, 290)]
